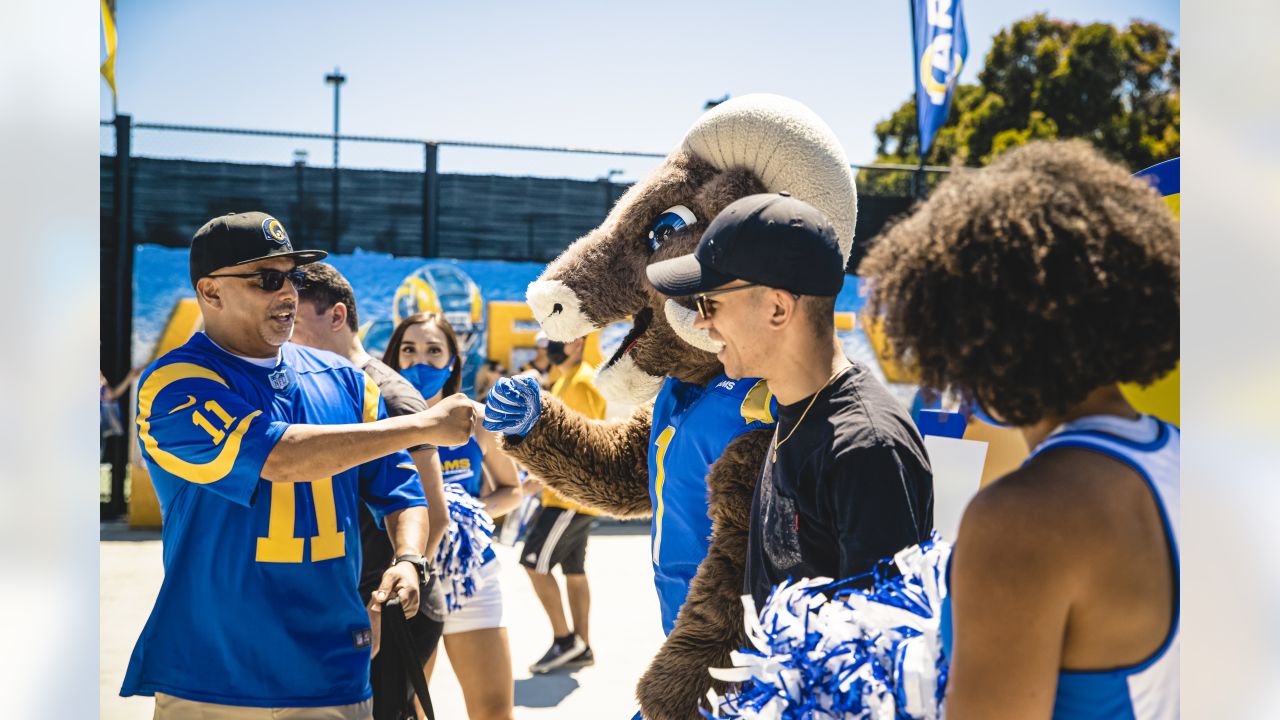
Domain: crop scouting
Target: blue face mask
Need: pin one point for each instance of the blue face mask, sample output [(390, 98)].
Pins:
[(428, 379)]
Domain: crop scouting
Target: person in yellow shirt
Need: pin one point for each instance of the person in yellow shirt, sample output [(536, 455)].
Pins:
[(540, 367), (558, 533)]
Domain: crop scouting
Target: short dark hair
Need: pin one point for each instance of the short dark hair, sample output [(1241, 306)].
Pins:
[(1029, 283), (820, 313), (325, 287)]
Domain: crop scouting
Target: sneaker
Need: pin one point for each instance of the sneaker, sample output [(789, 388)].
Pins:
[(562, 651), (583, 659)]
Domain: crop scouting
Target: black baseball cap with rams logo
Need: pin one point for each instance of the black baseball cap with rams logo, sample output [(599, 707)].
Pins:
[(242, 238), (770, 239)]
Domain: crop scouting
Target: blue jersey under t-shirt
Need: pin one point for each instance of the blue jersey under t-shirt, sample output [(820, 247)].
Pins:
[(464, 465), (259, 605), (692, 426)]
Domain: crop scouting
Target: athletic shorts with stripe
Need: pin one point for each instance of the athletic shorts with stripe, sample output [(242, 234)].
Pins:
[(557, 536)]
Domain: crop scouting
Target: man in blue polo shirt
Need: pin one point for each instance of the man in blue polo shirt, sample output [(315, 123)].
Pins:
[(259, 451)]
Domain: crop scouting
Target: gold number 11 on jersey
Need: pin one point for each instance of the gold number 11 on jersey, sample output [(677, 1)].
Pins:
[(281, 546)]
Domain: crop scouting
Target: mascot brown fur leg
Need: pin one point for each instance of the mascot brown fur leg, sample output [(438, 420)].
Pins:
[(600, 464), (709, 626)]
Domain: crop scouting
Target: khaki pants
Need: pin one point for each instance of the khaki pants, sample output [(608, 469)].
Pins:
[(169, 707)]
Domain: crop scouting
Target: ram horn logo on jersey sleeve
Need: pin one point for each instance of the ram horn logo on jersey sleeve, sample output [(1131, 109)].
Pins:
[(210, 435)]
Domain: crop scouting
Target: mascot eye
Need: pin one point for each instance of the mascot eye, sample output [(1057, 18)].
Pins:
[(669, 222)]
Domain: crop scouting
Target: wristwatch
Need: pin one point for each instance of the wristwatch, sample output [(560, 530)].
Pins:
[(419, 562)]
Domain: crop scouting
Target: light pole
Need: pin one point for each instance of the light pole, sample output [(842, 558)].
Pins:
[(607, 181), (336, 78), (300, 165)]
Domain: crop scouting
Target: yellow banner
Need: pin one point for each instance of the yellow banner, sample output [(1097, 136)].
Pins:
[(108, 68)]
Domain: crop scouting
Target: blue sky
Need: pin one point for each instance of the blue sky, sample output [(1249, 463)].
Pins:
[(614, 75)]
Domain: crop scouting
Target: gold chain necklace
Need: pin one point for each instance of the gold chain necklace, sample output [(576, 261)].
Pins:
[(776, 443)]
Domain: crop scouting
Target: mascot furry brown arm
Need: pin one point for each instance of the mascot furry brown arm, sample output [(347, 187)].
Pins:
[(693, 459), (602, 450)]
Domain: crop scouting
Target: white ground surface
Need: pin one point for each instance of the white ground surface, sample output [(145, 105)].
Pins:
[(625, 630)]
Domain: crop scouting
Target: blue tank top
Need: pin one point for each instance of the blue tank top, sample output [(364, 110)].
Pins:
[(692, 426), (1147, 690), (464, 465)]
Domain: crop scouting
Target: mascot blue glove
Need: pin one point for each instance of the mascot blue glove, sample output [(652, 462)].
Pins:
[(513, 406)]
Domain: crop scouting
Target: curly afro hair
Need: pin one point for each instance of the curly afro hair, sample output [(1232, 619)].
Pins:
[(1029, 283)]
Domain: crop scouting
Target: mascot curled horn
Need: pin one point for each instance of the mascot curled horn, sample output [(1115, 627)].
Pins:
[(690, 458)]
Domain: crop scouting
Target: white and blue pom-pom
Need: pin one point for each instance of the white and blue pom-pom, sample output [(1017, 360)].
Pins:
[(464, 547), (871, 654)]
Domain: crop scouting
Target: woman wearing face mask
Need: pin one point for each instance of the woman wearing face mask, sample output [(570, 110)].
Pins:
[(424, 349)]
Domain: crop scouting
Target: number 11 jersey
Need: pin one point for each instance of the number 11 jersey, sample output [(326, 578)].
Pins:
[(259, 605)]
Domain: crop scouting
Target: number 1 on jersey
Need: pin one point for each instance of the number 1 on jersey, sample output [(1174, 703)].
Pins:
[(662, 442), (202, 422), (281, 546)]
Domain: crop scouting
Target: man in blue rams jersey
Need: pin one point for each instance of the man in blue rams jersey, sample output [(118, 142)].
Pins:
[(259, 451)]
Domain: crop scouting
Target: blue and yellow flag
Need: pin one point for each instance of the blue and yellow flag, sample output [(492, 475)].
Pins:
[(108, 67), (941, 48), (1163, 398)]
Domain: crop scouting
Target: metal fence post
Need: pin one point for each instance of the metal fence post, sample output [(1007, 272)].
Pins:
[(430, 199), (608, 194), (119, 344)]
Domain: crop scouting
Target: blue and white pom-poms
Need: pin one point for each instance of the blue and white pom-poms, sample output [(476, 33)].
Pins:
[(870, 654), (463, 549)]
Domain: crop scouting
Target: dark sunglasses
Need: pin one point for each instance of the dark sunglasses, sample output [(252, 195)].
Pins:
[(704, 309), (271, 280)]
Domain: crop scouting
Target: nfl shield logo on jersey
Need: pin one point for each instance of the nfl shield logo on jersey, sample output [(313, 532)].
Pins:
[(279, 379)]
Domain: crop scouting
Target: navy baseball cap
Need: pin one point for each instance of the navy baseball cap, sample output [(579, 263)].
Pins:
[(769, 239), (241, 238)]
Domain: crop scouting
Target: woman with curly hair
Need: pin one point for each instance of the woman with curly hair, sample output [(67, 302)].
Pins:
[(1032, 288)]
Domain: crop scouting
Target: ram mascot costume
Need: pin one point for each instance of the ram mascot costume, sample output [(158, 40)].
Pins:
[(691, 457)]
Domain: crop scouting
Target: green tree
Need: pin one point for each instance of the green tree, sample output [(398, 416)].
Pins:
[(1046, 78)]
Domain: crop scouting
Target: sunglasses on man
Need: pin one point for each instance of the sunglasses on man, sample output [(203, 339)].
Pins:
[(704, 307), (271, 280)]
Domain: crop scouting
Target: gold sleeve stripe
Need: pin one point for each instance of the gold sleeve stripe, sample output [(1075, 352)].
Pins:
[(199, 473), (371, 396)]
